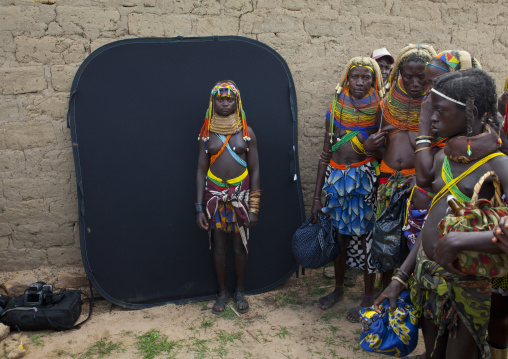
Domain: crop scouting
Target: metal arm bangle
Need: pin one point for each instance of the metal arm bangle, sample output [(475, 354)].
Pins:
[(423, 148), (199, 208), (423, 136), (400, 281)]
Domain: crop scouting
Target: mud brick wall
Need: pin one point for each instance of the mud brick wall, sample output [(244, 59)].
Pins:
[(42, 43)]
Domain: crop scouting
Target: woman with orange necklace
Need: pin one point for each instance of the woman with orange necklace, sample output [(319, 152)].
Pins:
[(347, 174), (398, 123)]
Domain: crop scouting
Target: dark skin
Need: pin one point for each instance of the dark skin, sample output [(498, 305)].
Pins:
[(360, 82), (425, 158), (397, 148), (501, 103), (398, 152), (385, 64), (449, 120), (499, 311), (226, 167)]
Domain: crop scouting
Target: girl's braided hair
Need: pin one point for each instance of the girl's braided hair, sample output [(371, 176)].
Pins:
[(411, 52), (475, 88)]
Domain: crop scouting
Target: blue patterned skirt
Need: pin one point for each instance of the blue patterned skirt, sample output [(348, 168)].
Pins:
[(351, 199)]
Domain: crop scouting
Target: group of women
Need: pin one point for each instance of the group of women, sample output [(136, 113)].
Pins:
[(433, 127), (436, 132)]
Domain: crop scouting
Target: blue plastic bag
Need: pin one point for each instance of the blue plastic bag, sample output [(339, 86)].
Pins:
[(390, 333)]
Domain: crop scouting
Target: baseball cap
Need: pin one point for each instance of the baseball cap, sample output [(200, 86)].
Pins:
[(383, 52)]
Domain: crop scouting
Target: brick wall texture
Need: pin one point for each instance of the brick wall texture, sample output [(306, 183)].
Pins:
[(42, 43)]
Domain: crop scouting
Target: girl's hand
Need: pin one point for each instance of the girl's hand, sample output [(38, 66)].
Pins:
[(374, 142), (391, 292), (501, 234), (201, 221)]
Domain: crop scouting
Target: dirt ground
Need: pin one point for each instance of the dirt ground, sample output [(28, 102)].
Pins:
[(283, 323)]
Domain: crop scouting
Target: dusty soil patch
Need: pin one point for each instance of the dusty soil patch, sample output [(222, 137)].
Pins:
[(284, 323)]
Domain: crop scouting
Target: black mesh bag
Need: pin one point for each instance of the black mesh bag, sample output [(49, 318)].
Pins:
[(314, 244)]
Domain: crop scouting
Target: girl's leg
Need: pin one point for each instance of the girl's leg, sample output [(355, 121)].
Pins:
[(220, 245), (241, 257), (339, 264)]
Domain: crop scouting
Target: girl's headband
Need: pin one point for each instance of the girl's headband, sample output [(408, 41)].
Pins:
[(448, 98), (439, 67)]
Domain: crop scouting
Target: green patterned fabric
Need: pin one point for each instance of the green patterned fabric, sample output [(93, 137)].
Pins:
[(442, 298), (482, 217)]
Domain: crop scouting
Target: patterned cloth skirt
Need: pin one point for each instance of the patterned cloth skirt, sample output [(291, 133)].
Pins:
[(351, 202), (227, 208)]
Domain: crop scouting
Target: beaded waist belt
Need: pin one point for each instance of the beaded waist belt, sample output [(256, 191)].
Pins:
[(387, 169), (227, 183), (357, 164)]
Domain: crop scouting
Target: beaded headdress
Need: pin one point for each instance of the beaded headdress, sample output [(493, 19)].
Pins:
[(458, 60), (455, 60), (225, 89), (361, 115), (425, 52)]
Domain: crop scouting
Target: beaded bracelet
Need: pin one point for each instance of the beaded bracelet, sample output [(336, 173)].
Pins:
[(400, 281), (423, 148)]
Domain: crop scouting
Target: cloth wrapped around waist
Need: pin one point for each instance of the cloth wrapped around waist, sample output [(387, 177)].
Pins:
[(351, 198), (443, 298), (227, 206)]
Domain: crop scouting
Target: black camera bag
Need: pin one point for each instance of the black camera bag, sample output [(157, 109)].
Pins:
[(4, 300), (59, 312)]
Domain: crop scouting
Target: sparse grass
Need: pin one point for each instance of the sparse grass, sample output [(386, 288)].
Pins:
[(330, 342), (333, 329), (283, 331), (36, 339), (225, 337), (220, 351), (228, 314), (102, 348), (61, 352), (259, 337), (198, 346), (320, 291), (205, 324), (330, 315), (152, 344), (287, 297)]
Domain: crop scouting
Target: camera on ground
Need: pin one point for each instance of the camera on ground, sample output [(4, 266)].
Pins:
[(37, 293)]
